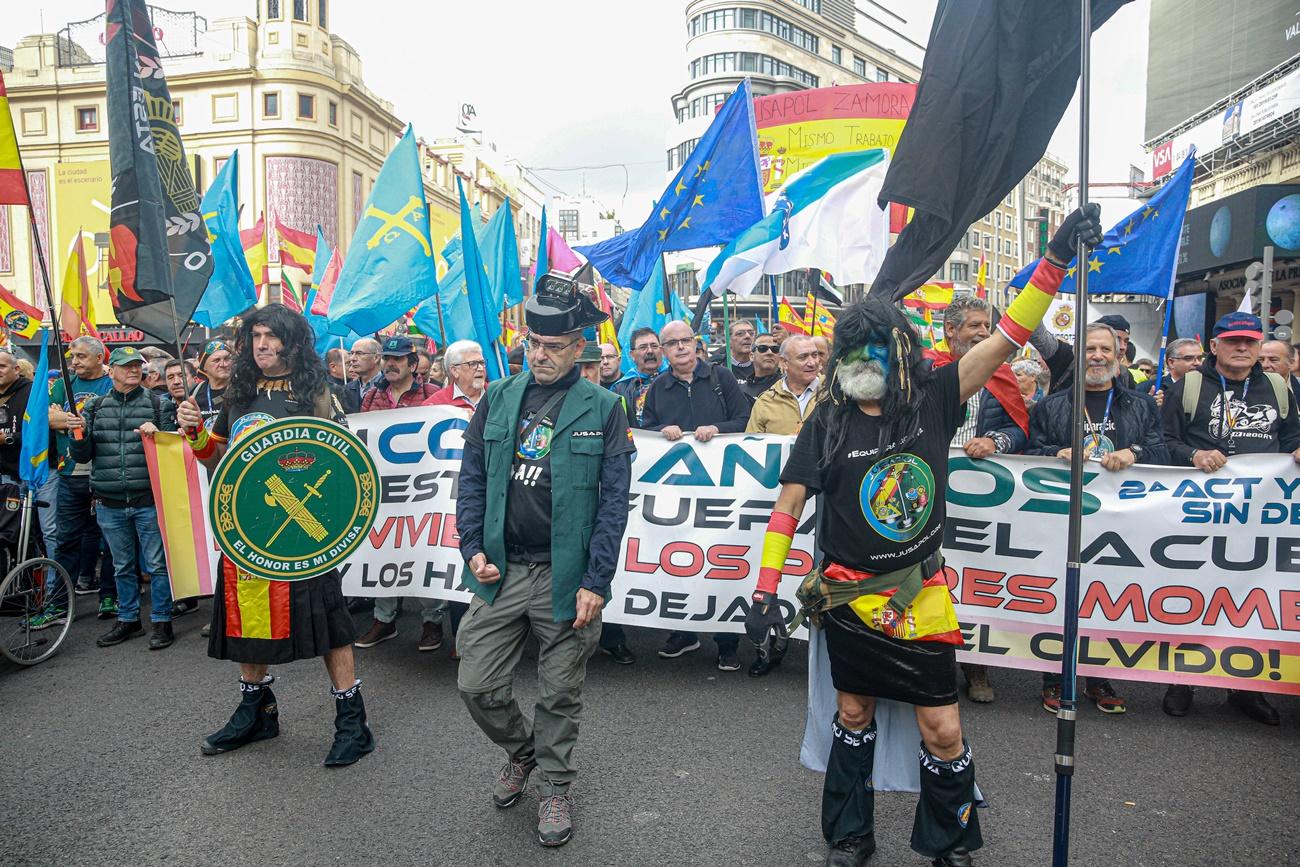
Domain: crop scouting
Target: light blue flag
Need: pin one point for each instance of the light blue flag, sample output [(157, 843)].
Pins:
[(452, 297), (487, 321), (645, 309), (716, 195), (34, 456), (230, 289), (543, 257), (501, 258), (760, 324), (1139, 253), (320, 324), (390, 266)]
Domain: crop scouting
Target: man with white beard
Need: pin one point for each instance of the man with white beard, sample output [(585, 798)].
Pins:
[(876, 448), (1121, 427)]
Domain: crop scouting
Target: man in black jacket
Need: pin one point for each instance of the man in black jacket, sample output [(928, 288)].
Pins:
[(119, 477), (1121, 428), (1234, 407), (703, 400)]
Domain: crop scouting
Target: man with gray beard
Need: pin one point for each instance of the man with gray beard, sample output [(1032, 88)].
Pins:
[(876, 449), (1121, 427)]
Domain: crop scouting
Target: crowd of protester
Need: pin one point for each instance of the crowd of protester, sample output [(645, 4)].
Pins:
[(98, 520)]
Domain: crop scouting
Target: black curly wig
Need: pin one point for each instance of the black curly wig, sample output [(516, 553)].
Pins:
[(306, 372), (875, 318)]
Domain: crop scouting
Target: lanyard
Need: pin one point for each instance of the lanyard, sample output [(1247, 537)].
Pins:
[(1230, 418), (1096, 434)]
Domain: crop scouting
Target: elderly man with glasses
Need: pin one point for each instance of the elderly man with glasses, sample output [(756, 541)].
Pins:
[(466, 376), (648, 356)]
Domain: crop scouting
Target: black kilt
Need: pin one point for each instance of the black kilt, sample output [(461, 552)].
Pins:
[(279, 621), (867, 662)]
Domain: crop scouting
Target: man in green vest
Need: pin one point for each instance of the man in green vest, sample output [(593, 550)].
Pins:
[(541, 509)]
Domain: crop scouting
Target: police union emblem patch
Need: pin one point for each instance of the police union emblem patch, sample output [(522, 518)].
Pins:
[(293, 498)]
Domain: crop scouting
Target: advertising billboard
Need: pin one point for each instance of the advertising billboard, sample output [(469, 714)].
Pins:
[(1236, 229), (1200, 51)]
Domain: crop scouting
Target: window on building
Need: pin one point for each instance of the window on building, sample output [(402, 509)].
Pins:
[(177, 111), (813, 5), (333, 113), (88, 119), (881, 75), (958, 272), (299, 10), (837, 56), (744, 61), (273, 9), (997, 219), (679, 154), (270, 105), (859, 66), (306, 106), (988, 242), (322, 18), (1010, 247), (975, 239), (569, 224)]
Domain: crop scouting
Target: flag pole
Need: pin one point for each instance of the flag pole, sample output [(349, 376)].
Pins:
[(726, 329), (1065, 717), (773, 316)]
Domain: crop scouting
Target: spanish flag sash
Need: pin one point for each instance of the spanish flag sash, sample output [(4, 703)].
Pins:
[(255, 607)]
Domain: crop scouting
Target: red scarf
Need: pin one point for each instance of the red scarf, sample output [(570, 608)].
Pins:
[(1003, 386)]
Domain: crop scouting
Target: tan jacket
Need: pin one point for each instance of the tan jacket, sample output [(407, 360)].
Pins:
[(777, 411)]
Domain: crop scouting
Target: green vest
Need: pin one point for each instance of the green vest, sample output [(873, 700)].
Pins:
[(575, 483)]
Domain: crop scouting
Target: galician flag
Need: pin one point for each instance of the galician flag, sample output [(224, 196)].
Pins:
[(824, 217)]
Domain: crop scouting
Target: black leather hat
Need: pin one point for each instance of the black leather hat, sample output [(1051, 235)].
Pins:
[(557, 307)]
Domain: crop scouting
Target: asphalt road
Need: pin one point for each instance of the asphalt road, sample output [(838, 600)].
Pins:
[(679, 764)]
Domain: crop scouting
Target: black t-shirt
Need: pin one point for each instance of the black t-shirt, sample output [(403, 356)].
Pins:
[(273, 400), (883, 510), (13, 403), (759, 384), (210, 401), (1098, 424), (528, 503)]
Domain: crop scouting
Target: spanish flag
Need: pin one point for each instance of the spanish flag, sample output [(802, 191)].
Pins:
[(931, 296), (13, 187), (77, 316), (19, 316), (297, 249), (981, 278), (789, 320), (181, 504), (254, 243)]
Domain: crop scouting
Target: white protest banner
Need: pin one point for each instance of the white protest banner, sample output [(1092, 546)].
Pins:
[(1187, 577)]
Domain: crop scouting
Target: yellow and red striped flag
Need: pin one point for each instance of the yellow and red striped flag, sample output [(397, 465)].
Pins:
[(77, 313), (931, 296), (13, 186), (19, 316), (981, 277), (817, 318), (297, 249), (254, 243), (191, 552)]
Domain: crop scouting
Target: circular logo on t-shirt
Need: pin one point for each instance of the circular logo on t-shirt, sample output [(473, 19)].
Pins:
[(897, 496), (1096, 446), (538, 444), (249, 422)]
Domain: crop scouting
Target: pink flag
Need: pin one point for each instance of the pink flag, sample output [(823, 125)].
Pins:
[(558, 255), (325, 291)]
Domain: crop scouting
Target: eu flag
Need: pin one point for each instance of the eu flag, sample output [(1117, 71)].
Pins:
[(716, 195), (230, 289), (34, 456), (389, 267), (1139, 253)]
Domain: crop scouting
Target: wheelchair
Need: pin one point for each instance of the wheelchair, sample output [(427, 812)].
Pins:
[(31, 627)]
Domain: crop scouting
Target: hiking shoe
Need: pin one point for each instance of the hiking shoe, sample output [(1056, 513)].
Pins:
[(1052, 699), (678, 644), (851, 851), (1178, 700), (184, 606), (47, 618), (107, 609), (512, 782), (162, 636), (121, 631), (377, 632), (85, 587), (1104, 697), (431, 637), (978, 687), (620, 654), (728, 660), (555, 820)]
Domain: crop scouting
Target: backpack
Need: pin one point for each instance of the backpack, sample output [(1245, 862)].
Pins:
[(1193, 380)]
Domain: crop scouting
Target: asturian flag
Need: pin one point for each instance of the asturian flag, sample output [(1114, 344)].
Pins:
[(826, 217)]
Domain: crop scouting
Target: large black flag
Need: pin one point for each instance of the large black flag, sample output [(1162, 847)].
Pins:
[(998, 75), (158, 243)]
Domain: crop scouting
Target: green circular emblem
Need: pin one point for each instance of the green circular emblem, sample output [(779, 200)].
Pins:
[(293, 498)]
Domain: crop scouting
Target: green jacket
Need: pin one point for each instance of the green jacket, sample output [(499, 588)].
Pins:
[(575, 483), (119, 473)]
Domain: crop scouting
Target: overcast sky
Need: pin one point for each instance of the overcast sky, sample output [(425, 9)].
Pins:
[(587, 82)]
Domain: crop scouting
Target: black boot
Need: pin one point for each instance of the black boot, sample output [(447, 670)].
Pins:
[(256, 719), (1254, 705), (947, 825), (848, 800), (352, 737)]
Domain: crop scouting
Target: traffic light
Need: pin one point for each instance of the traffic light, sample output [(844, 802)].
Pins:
[(1254, 280), (1044, 231)]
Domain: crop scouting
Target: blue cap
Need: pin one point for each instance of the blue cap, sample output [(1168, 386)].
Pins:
[(1239, 324), (397, 346)]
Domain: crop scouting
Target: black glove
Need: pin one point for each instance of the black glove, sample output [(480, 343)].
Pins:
[(765, 626), (1082, 224)]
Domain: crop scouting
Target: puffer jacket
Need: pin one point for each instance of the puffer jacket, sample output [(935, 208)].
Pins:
[(1137, 422), (119, 475)]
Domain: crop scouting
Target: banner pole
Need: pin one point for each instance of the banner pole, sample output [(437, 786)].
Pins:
[(726, 328), (1066, 715)]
